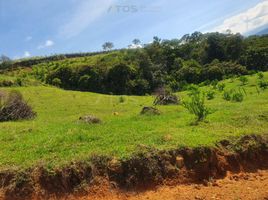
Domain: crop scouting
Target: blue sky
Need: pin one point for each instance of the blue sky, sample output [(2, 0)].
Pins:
[(44, 27)]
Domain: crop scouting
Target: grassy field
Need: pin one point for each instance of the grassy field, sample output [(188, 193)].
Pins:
[(56, 137)]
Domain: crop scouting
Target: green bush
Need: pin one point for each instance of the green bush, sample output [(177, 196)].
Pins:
[(260, 75), (237, 96), (196, 106), (56, 82), (263, 84), (214, 84), (210, 95), (243, 80), (19, 81), (234, 95), (221, 86), (122, 99), (192, 88), (227, 95)]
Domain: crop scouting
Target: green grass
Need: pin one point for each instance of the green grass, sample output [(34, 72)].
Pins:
[(107, 59), (56, 137), (6, 77)]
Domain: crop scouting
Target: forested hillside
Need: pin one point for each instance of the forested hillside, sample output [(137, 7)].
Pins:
[(172, 63)]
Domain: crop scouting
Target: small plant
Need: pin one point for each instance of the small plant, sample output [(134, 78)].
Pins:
[(263, 84), (122, 99), (234, 95), (221, 86), (227, 95), (214, 84), (260, 75), (237, 96), (56, 82), (210, 95), (197, 106), (19, 81), (243, 80), (193, 89)]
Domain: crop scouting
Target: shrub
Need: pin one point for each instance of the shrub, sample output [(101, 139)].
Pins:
[(193, 89), (260, 75), (56, 82), (19, 81), (243, 80), (221, 86), (233, 95), (210, 95), (214, 84), (122, 99), (263, 84), (13, 107), (197, 106), (227, 95), (237, 96)]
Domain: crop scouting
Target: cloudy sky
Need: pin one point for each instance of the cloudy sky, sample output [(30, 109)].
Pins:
[(44, 27)]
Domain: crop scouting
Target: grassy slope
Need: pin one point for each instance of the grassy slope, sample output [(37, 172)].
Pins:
[(107, 59), (55, 137)]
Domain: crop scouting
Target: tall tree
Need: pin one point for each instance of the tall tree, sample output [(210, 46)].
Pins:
[(4, 58), (136, 41), (107, 46)]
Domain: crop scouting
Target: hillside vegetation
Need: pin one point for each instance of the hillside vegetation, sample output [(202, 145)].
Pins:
[(173, 63), (56, 136)]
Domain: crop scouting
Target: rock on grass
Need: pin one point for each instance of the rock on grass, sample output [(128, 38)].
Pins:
[(150, 111), (90, 119)]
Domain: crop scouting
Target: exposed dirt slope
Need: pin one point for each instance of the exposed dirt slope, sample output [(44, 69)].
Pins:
[(243, 186)]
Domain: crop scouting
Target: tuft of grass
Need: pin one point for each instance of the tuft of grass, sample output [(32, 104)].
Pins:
[(122, 99), (210, 94)]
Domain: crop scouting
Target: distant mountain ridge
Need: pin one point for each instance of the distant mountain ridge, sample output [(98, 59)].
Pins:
[(263, 32)]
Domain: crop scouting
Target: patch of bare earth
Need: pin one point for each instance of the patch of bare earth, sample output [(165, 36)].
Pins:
[(243, 186)]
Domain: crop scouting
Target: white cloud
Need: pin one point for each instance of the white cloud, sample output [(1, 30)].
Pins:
[(247, 21), (26, 54), (85, 14), (48, 43), (135, 46)]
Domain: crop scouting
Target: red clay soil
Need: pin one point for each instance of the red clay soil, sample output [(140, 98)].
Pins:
[(243, 186)]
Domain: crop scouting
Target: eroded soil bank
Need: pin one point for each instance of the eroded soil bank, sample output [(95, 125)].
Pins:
[(145, 171), (242, 186)]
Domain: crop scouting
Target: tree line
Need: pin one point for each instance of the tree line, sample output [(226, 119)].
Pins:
[(194, 58)]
